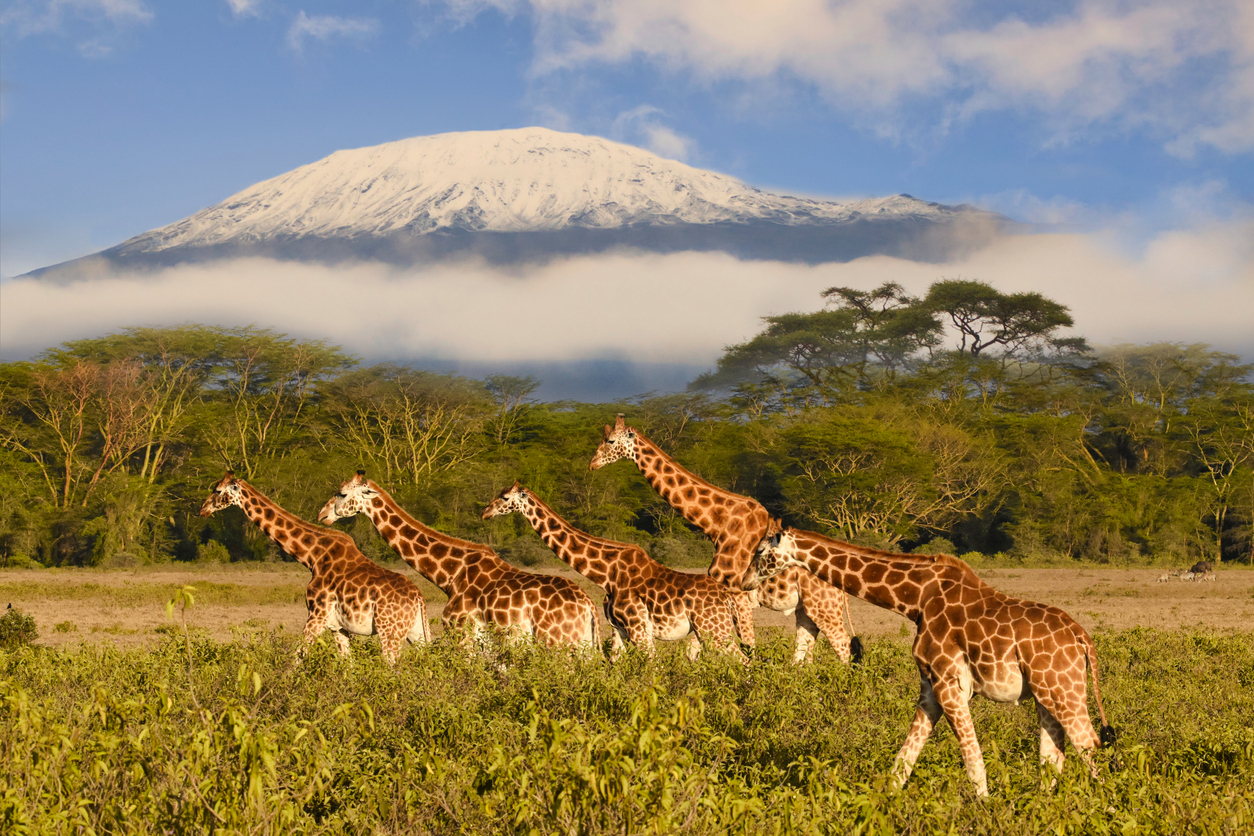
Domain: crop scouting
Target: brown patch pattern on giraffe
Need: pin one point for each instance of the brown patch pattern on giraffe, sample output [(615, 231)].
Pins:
[(644, 600), (347, 593), (735, 524), (481, 587), (971, 639)]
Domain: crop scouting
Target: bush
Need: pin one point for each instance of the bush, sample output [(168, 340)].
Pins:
[(16, 629), (212, 551)]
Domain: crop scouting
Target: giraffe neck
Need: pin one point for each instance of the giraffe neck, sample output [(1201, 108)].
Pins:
[(567, 542), (418, 544), (898, 582), (672, 480), (286, 529)]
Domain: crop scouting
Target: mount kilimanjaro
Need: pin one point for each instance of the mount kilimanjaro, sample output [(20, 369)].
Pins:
[(528, 195)]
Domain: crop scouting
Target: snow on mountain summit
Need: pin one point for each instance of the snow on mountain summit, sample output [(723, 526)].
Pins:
[(521, 180)]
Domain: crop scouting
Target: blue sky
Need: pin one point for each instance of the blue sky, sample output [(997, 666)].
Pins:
[(1129, 124)]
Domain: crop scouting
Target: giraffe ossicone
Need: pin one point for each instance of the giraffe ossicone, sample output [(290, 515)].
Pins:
[(644, 600), (482, 588), (735, 524), (971, 639), (347, 592)]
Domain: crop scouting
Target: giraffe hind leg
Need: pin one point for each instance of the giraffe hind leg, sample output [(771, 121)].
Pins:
[(954, 697), (1053, 741)]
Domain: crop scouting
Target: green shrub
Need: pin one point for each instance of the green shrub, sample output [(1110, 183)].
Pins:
[(16, 629), (211, 551)]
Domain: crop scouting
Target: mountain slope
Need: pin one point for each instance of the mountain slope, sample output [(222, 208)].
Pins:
[(532, 193)]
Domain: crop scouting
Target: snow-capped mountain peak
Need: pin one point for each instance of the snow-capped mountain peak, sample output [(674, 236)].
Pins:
[(521, 180)]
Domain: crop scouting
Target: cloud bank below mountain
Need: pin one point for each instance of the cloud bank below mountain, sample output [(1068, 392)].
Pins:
[(652, 320)]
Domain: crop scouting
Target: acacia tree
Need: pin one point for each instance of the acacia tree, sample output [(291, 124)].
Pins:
[(861, 342), (408, 424)]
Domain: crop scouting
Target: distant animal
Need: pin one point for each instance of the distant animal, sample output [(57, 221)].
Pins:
[(1165, 576), (1202, 567), (1206, 576), (1187, 576)]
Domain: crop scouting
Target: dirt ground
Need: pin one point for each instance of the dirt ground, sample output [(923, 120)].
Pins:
[(71, 606)]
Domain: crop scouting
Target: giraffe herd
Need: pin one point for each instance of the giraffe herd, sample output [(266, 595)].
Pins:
[(970, 638)]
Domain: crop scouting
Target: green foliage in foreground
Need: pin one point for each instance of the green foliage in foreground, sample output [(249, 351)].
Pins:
[(198, 736)]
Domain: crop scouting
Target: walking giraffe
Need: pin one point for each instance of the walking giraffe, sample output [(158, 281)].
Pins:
[(736, 524), (481, 587), (348, 593), (971, 639), (644, 600)]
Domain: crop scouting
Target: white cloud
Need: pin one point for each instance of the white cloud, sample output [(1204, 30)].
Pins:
[(327, 27), (1186, 285), (1182, 70), (245, 8), (35, 17)]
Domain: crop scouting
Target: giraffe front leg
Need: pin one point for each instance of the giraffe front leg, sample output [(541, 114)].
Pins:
[(341, 643), (925, 718), (315, 624), (616, 643), (822, 608), (713, 621), (807, 634)]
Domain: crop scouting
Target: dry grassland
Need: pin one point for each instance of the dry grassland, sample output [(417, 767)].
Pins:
[(127, 607)]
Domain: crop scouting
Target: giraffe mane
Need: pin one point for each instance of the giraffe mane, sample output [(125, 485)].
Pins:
[(881, 554), (321, 530)]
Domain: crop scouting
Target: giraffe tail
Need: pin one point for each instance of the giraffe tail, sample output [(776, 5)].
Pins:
[(855, 643), (1107, 734)]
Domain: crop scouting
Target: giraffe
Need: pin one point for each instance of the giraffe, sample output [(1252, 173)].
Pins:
[(481, 587), (971, 639), (644, 600), (348, 593), (736, 524)]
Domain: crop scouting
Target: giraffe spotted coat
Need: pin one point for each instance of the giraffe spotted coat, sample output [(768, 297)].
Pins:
[(735, 524), (971, 639), (481, 587), (347, 593), (644, 600)]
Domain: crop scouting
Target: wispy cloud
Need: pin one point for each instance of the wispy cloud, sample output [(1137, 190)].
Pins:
[(245, 8), (643, 126), (328, 27), (102, 20), (1184, 71)]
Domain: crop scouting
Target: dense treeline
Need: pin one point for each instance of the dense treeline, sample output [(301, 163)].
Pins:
[(960, 421)]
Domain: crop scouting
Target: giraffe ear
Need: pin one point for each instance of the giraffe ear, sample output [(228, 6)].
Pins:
[(619, 423), (516, 486)]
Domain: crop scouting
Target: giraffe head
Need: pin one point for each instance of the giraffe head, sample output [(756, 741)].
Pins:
[(225, 493), (353, 498), (619, 442), (776, 552), (513, 499)]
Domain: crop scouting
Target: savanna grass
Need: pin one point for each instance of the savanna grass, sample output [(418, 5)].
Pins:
[(197, 735)]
